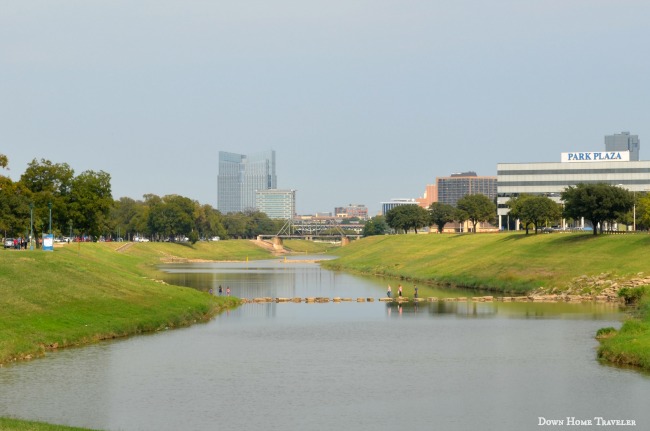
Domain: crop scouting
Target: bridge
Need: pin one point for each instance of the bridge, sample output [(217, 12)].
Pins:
[(311, 230)]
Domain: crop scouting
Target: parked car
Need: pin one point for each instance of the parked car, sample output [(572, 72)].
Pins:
[(9, 243)]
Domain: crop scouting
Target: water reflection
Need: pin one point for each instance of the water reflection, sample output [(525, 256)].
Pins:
[(364, 366)]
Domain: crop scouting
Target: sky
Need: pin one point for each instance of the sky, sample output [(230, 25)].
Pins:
[(363, 101)]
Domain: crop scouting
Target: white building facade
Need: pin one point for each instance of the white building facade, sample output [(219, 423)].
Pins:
[(277, 204), (551, 179)]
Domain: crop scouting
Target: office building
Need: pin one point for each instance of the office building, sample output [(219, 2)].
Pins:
[(351, 211), (277, 204), (623, 142), (551, 179), (451, 189), (387, 206), (241, 176)]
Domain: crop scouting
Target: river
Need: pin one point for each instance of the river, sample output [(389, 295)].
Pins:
[(337, 366)]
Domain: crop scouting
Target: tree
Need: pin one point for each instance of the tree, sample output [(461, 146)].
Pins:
[(129, 217), (407, 217), (209, 222), (170, 216), (441, 214), (90, 202), (49, 183), (375, 226), (596, 202), (478, 207), (531, 209), (643, 211)]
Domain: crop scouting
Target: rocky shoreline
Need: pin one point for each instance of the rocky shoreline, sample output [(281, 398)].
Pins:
[(604, 287)]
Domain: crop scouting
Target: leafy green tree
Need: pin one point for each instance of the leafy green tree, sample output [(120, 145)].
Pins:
[(533, 209), (375, 226), (643, 211), (407, 217), (129, 217), (479, 208), (258, 223), (461, 217), (49, 183), (170, 216), (441, 214), (209, 222), (597, 203), (14, 208), (235, 224), (90, 202)]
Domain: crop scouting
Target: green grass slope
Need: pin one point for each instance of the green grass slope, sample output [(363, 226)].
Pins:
[(506, 262), (8, 424), (82, 293)]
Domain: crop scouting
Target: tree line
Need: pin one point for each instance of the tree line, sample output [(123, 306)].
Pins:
[(82, 205)]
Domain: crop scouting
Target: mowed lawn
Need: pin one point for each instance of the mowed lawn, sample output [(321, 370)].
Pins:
[(80, 293), (508, 262)]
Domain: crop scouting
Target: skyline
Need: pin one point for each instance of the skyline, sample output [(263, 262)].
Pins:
[(362, 103)]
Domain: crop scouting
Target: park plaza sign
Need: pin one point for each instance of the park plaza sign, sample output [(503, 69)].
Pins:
[(597, 156)]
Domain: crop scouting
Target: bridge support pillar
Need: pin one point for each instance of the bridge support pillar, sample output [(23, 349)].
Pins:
[(345, 241), (277, 243)]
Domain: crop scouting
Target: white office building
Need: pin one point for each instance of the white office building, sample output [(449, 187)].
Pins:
[(551, 179)]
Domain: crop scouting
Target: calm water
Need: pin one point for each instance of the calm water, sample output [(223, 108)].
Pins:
[(336, 366)]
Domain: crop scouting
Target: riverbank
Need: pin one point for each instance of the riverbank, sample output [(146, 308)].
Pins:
[(8, 424), (508, 263), (83, 293), (630, 345), (563, 265)]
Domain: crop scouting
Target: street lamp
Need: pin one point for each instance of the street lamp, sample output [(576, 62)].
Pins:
[(634, 211), (49, 205), (31, 225)]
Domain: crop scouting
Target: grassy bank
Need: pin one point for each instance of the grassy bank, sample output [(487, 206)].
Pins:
[(515, 263), (82, 293), (7, 424), (631, 344), (512, 263)]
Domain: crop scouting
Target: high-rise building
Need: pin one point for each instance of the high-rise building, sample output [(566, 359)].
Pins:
[(456, 186), (623, 142), (277, 204), (240, 176)]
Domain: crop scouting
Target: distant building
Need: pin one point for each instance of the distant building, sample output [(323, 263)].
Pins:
[(387, 206), (451, 189), (241, 176), (623, 142), (430, 196), (277, 204), (358, 211)]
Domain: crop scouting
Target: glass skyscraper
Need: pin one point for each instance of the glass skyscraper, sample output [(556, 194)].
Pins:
[(240, 176)]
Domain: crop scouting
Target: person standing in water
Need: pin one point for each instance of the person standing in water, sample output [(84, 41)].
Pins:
[(388, 291), (399, 290)]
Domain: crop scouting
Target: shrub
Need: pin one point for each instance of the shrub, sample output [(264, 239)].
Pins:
[(632, 295)]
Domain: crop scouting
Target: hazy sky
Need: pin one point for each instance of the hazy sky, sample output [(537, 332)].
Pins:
[(363, 101)]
